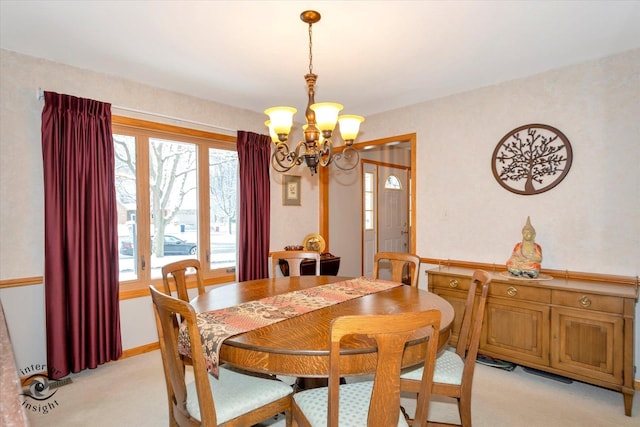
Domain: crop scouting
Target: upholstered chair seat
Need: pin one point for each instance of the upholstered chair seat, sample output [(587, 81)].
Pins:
[(231, 397), (353, 401), (449, 369)]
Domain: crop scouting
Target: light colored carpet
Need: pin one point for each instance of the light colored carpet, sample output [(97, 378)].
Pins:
[(132, 392)]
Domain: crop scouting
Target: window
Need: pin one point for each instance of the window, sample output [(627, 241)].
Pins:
[(176, 190), (368, 201), (223, 205), (392, 183)]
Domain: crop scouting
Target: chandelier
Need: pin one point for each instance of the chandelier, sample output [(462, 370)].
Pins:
[(316, 148)]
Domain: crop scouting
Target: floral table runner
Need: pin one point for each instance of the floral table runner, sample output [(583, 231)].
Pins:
[(217, 325)]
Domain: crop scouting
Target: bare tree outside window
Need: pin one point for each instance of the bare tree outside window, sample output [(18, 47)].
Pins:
[(532, 159), (223, 190), (125, 153), (223, 167), (125, 175), (172, 186)]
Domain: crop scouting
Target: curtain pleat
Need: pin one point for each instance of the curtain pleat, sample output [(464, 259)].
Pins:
[(81, 239), (255, 192)]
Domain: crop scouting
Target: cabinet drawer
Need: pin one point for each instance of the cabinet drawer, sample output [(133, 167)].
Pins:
[(449, 282), (519, 292), (588, 301)]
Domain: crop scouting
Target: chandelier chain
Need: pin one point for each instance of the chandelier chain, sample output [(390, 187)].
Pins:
[(310, 50)]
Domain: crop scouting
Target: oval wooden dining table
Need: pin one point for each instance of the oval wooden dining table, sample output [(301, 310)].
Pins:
[(299, 346)]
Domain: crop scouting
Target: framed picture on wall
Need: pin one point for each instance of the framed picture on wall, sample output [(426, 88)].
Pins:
[(291, 190)]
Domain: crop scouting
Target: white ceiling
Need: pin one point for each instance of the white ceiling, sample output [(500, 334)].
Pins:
[(371, 56)]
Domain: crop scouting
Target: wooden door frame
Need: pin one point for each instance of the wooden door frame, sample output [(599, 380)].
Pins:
[(323, 188)]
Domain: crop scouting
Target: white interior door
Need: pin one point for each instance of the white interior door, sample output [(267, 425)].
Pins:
[(393, 212)]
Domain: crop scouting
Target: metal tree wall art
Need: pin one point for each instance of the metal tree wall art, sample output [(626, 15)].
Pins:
[(532, 159)]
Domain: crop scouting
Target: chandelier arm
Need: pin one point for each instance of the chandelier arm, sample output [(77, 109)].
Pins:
[(279, 167), (301, 146), (283, 158), (281, 151), (326, 152), (292, 158), (348, 153)]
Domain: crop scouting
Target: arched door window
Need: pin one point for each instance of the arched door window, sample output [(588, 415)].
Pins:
[(392, 183)]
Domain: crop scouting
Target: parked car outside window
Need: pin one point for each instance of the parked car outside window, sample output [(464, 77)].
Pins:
[(172, 246), (176, 246)]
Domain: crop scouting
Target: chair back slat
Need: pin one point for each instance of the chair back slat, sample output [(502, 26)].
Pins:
[(294, 259), (176, 273), (471, 328), (391, 333), (400, 261)]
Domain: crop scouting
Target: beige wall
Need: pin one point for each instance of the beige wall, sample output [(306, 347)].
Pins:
[(590, 222)]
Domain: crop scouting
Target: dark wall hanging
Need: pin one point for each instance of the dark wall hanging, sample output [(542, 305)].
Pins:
[(531, 159)]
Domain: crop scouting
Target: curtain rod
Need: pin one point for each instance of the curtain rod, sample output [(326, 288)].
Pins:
[(134, 110)]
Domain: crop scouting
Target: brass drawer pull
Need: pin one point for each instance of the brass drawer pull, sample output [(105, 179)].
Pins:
[(585, 301), (453, 283), (512, 292)]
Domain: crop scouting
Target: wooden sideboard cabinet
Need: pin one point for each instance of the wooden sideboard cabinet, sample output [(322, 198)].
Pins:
[(581, 329)]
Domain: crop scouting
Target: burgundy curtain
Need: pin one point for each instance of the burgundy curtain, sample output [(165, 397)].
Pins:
[(255, 191), (81, 239)]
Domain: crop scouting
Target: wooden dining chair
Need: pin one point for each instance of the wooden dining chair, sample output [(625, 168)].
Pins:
[(377, 402), (453, 375), (232, 399), (398, 261), (178, 271), (294, 259)]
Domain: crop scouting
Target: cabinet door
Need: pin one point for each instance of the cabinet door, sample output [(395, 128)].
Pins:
[(458, 300), (516, 331), (585, 343), (455, 290)]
